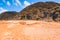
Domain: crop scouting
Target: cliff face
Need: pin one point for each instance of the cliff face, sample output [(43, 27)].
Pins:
[(45, 11)]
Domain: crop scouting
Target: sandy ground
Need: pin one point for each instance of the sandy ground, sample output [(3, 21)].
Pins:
[(29, 30)]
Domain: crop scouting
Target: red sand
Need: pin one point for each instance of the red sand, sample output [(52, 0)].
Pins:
[(29, 30)]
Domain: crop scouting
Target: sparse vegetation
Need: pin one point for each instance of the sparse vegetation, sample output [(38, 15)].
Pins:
[(45, 11), (8, 15)]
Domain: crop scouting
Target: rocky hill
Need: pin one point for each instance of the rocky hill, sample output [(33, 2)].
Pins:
[(45, 11), (10, 15)]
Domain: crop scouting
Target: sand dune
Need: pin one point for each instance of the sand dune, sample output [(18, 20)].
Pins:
[(29, 30)]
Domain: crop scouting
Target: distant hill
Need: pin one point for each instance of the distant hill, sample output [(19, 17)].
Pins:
[(10, 15), (45, 11)]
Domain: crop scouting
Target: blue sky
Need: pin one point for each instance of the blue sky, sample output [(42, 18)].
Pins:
[(18, 5)]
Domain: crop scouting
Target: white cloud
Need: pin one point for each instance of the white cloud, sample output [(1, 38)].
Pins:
[(2, 10), (26, 3), (8, 3), (18, 2)]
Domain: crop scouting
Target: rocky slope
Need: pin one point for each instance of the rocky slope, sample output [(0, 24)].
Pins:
[(45, 11), (10, 15)]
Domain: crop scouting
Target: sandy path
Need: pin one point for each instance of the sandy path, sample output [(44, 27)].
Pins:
[(29, 30)]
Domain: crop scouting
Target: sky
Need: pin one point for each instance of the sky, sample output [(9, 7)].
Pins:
[(18, 5)]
